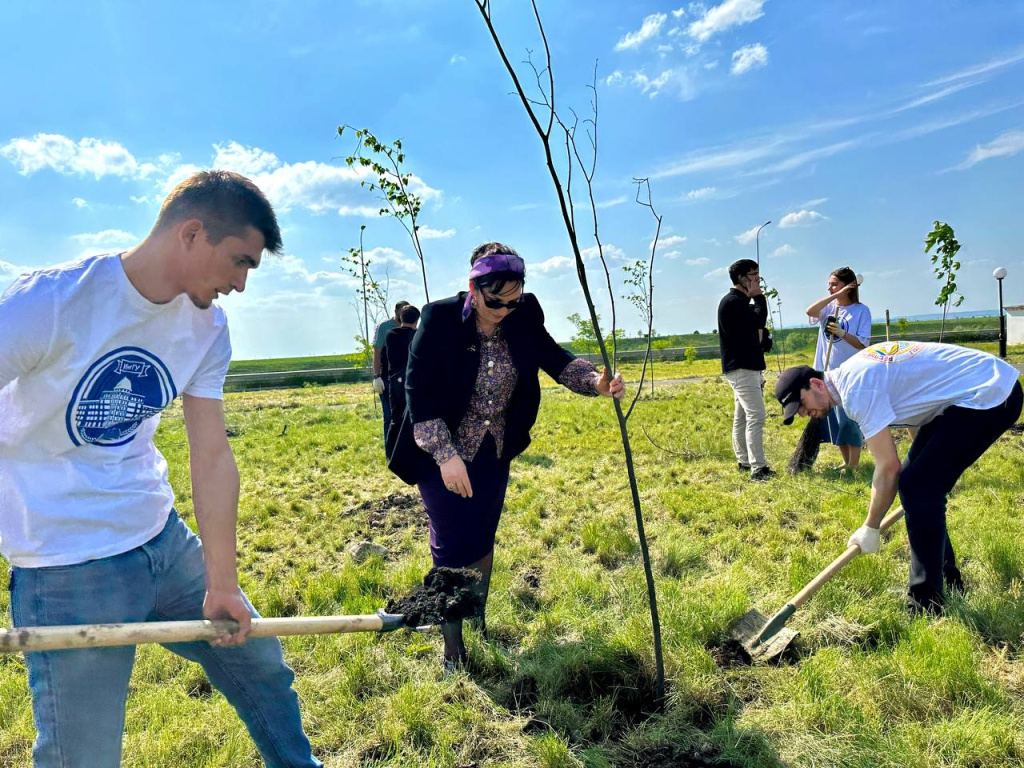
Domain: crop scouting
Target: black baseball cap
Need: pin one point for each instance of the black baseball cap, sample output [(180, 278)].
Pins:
[(790, 384)]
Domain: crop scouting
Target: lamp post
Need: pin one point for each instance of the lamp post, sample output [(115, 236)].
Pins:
[(757, 240), (999, 274)]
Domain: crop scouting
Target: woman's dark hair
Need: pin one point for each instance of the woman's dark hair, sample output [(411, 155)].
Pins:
[(846, 276), (409, 314), (494, 282)]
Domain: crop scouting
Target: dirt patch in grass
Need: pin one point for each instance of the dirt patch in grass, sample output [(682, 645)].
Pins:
[(1016, 429), (731, 654), (388, 513), (445, 595), (670, 756)]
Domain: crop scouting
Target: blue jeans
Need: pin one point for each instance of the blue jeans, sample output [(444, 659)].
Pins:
[(78, 696)]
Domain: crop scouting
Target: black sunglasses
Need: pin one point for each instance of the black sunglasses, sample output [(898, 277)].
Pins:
[(492, 303)]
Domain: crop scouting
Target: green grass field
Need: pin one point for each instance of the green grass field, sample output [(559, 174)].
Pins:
[(568, 680)]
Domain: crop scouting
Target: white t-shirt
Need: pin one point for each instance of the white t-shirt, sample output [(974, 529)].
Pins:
[(909, 383), (854, 319), (86, 366)]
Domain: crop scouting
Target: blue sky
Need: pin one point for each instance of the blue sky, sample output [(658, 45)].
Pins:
[(851, 125)]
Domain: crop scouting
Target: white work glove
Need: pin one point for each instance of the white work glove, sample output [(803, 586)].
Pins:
[(378, 385), (867, 538)]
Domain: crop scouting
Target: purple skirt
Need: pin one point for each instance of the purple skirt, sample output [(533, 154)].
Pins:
[(462, 530)]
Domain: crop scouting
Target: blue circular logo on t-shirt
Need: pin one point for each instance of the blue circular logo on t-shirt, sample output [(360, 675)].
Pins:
[(117, 393)]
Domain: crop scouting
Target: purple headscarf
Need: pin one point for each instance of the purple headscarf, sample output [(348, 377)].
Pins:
[(493, 262)]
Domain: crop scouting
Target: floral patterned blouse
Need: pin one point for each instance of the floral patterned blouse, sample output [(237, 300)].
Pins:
[(495, 381)]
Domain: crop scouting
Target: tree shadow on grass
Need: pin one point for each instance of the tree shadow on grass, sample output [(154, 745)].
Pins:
[(536, 460), (600, 697)]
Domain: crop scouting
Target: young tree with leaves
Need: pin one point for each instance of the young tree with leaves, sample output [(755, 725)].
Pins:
[(945, 265), (388, 162)]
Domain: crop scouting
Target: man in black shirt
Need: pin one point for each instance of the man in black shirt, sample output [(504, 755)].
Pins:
[(742, 317), (393, 359)]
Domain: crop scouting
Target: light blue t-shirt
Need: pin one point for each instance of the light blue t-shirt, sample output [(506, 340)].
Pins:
[(855, 320)]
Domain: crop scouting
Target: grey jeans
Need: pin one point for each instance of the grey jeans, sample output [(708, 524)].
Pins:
[(748, 417)]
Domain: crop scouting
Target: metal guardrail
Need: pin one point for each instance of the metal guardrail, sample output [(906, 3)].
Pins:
[(288, 379)]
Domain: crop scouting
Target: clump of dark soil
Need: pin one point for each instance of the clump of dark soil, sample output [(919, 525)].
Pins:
[(445, 595), (398, 510), (730, 654), (1017, 429), (670, 756)]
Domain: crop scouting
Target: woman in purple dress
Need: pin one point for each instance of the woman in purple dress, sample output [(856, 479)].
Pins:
[(472, 393)]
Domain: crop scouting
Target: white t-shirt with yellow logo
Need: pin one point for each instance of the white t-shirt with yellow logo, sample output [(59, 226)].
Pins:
[(909, 383)]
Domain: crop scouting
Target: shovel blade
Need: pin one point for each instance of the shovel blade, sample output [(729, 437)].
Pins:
[(746, 630)]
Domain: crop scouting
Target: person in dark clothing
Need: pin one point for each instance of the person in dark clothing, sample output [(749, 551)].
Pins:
[(394, 357), (472, 394), (743, 339)]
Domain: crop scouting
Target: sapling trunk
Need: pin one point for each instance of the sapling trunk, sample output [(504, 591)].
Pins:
[(566, 208)]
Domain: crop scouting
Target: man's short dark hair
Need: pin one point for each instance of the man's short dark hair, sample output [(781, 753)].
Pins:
[(398, 308), (740, 269), (409, 315), (227, 203)]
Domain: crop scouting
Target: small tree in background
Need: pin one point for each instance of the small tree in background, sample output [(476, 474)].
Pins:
[(945, 263), (388, 162), (583, 337), (902, 327)]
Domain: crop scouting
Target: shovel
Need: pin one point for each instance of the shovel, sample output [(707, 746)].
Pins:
[(765, 638), (60, 638)]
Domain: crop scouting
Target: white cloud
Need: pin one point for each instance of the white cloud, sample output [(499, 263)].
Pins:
[(1004, 145), (612, 203), (670, 241), (802, 218), (664, 49), (813, 203), (722, 158), (10, 271), (248, 161), (650, 27), (87, 156), (809, 156), (391, 258), (729, 14), (783, 250), (140, 199), (105, 239), (749, 57), (672, 255), (747, 237), (677, 81), (551, 265), (711, 64), (678, 13), (615, 78), (457, 59), (699, 262), (980, 69), (720, 272), (700, 194), (429, 233), (610, 252), (358, 210), (79, 202)]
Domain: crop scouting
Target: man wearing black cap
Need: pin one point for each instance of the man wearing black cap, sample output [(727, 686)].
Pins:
[(957, 401), (742, 317)]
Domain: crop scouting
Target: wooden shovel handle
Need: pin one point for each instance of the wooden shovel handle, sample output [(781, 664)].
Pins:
[(836, 565), (28, 639)]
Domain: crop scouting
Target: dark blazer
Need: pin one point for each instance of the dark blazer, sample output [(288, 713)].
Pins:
[(739, 321), (444, 359), (393, 359)]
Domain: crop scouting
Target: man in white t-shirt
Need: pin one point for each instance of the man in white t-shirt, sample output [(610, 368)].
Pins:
[(958, 402), (90, 354)]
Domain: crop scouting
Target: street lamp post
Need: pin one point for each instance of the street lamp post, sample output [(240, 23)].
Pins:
[(999, 274), (757, 240)]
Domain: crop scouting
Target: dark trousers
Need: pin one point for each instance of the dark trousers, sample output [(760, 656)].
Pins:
[(385, 406), (462, 530), (943, 449)]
